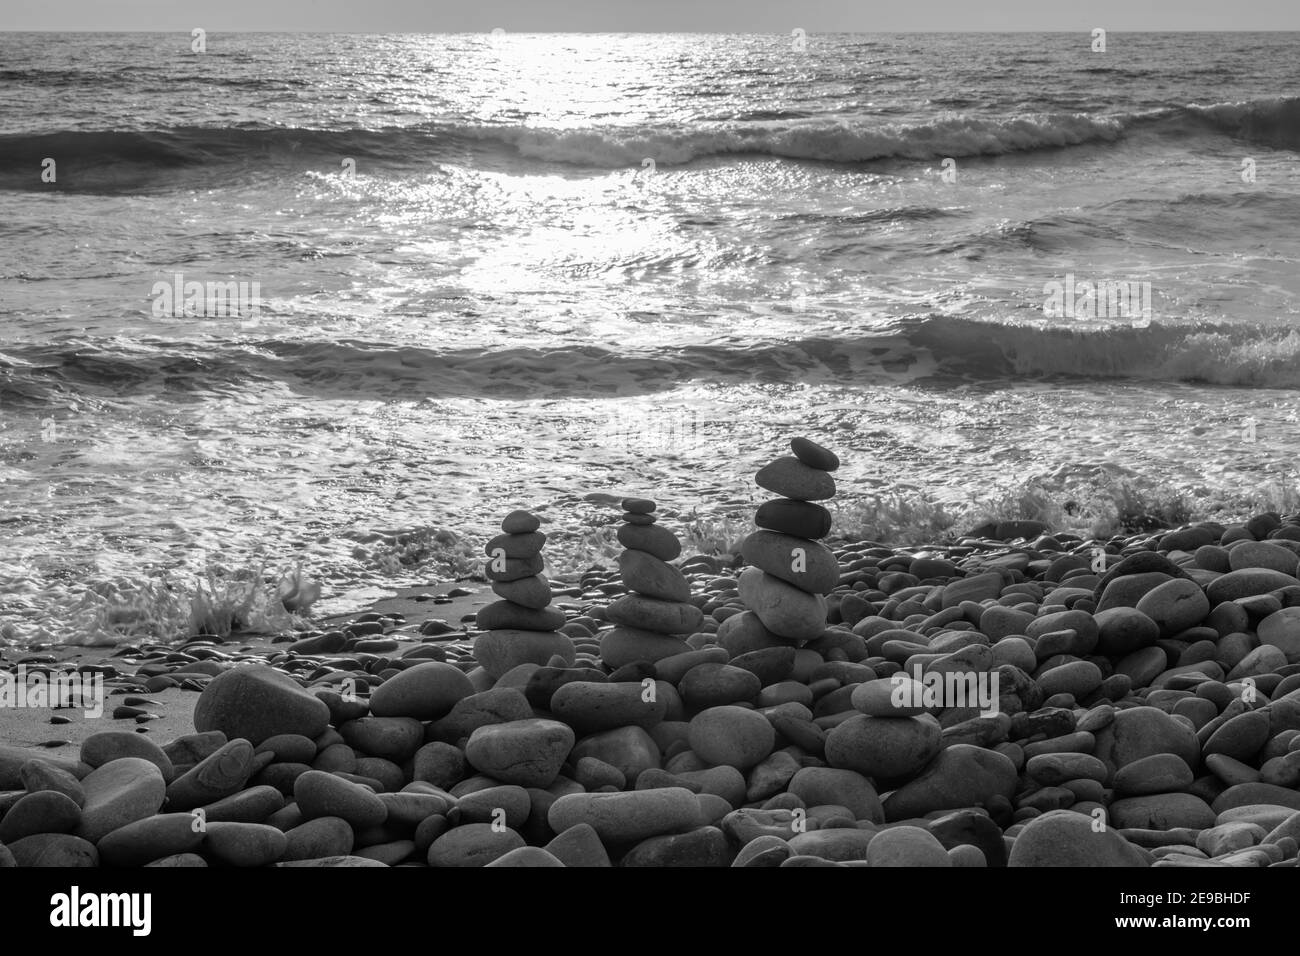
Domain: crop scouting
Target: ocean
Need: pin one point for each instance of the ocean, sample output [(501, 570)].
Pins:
[(339, 302)]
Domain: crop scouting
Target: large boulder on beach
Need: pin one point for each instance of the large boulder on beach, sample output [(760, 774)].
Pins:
[(1255, 794), (507, 614), (629, 749), (705, 846), (38, 776), (46, 811), (961, 776), (799, 518), (321, 794), (836, 844), (13, 758), (1081, 622), (1065, 838), (502, 650), (712, 685), (1127, 590), (627, 645), (108, 745), (592, 706), (1175, 606), (424, 692), (1281, 629), (646, 574), (655, 615), (782, 607), (814, 455), (1161, 811), (1158, 773), (1247, 582), (1141, 562), (884, 748), (245, 844), (831, 786), (527, 856), (627, 817), (973, 828), (1123, 630), (531, 592), (730, 735), (151, 838), (1141, 732), (61, 850), (654, 540), (118, 793), (473, 845), (745, 632), (499, 705), (977, 588), (1187, 539), (1239, 737), (528, 753), (790, 478), (1263, 554), (220, 774), (319, 837), (257, 702), (393, 738), (907, 846), (807, 565), (1077, 678), (579, 846)]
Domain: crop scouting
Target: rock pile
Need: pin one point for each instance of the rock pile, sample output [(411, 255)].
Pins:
[(790, 571), (655, 616), (522, 627)]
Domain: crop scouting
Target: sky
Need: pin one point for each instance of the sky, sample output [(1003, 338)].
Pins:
[(598, 16)]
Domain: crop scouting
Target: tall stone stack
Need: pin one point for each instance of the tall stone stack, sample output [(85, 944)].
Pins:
[(653, 619), (790, 570), (522, 627)]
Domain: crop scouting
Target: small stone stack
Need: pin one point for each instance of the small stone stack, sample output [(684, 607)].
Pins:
[(651, 620), (522, 627), (790, 570)]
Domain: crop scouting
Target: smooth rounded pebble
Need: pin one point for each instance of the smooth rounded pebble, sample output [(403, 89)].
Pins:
[(627, 817), (153, 838), (473, 844), (1063, 838), (906, 846), (529, 752), (423, 692), (118, 793), (257, 702), (321, 794), (731, 735)]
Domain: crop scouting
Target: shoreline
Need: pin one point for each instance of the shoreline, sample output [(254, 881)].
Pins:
[(1097, 668)]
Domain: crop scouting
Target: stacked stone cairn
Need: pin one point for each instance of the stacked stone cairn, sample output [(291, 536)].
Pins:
[(790, 570), (522, 627), (653, 619)]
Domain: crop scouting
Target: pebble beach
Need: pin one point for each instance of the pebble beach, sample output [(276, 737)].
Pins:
[(1021, 697)]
